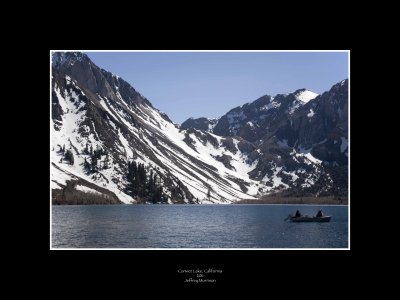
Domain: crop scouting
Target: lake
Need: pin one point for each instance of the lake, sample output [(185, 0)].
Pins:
[(195, 226)]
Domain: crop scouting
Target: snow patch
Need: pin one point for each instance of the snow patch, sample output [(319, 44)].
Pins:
[(306, 153), (306, 96), (293, 174), (87, 190), (272, 104)]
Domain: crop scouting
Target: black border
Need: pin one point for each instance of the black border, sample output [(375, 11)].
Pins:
[(241, 268)]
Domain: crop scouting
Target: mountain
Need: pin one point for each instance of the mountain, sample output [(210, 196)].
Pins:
[(300, 139), (121, 143), (110, 145), (310, 145)]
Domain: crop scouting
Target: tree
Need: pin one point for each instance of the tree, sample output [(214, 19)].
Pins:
[(105, 165), (93, 165), (133, 179), (150, 183), (86, 165), (98, 152), (71, 160), (69, 156), (209, 195)]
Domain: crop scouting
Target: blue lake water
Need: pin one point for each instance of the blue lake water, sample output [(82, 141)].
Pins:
[(195, 226)]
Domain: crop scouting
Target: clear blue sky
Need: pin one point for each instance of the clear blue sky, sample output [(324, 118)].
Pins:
[(209, 84)]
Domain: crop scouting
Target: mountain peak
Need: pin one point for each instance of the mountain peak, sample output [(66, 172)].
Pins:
[(60, 58)]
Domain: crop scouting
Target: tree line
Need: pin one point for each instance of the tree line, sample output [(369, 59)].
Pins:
[(67, 155), (143, 183), (142, 186), (95, 159)]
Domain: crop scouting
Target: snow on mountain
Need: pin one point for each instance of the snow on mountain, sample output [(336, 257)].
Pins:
[(306, 96)]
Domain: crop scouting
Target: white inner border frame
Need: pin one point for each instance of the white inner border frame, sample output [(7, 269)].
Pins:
[(199, 249)]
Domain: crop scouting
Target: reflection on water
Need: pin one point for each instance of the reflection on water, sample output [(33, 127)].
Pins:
[(195, 226)]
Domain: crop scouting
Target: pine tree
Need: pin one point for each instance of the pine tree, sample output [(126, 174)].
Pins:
[(150, 184), (106, 161), (209, 194), (98, 152), (133, 179), (71, 160), (86, 165), (69, 156)]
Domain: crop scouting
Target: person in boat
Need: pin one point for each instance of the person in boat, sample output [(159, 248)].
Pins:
[(319, 213), (297, 214)]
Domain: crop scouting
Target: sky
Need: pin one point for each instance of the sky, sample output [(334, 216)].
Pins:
[(209, 84)]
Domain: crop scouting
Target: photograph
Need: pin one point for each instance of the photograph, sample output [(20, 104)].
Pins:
[(199, 150)]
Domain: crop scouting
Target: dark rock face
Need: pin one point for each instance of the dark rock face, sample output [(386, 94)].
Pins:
[(93, 79), (321, 124), (252, 121), (226, 160), (200, 124)]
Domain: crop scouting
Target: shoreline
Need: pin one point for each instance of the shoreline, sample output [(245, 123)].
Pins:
[(254, 202), (266, 200), (296, 201)]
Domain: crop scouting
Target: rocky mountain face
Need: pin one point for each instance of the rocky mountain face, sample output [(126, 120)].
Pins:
[(110, 144), (106, 133), (204, 124)]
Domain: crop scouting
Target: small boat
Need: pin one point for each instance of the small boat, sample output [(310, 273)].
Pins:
[(308, 218)]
